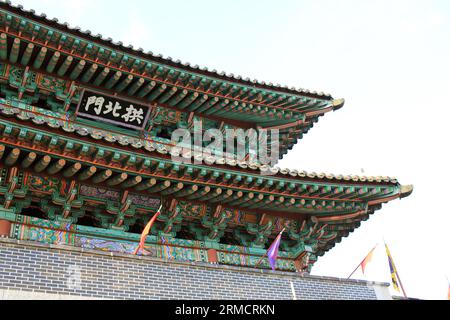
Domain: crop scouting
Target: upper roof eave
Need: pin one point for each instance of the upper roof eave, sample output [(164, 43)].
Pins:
[(76, 31)]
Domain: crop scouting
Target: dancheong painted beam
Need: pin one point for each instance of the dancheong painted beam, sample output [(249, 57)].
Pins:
[(67, 178)]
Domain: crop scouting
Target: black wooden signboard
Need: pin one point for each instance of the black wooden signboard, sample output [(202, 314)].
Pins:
[(110, 109)]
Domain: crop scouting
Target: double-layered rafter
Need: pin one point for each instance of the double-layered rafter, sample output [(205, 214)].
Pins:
[(80, 62)]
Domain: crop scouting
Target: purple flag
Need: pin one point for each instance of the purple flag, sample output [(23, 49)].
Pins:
[(272, 253)]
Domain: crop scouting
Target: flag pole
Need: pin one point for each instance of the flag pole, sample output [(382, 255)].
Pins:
[(401, 285), (359, 265), (260, 260)]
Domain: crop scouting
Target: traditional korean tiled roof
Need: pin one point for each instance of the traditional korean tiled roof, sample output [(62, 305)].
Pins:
[(166, 148), (158, 57), (55, 121), (90, 61), (328, 206)]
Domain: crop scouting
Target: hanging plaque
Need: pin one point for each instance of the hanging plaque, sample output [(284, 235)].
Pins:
[(110, 109)]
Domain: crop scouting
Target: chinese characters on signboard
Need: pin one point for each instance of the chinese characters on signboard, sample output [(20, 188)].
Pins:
[(110, 109)]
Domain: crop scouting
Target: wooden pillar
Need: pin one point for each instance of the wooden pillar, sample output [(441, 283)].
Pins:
[(298, 265), (212, 256), (5, 228)]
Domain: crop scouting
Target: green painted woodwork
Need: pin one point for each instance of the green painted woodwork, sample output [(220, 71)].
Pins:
[(112, 179), (32, 91), (57, 103), (241, 178), (8, 214), (119, 242), (159, 72)]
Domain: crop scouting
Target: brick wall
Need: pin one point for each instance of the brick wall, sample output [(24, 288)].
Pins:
[(28, 268)]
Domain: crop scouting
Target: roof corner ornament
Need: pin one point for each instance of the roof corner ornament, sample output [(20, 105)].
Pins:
[(338, 103), (406, 190)]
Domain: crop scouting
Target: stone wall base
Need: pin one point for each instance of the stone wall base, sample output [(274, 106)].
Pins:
[(32, 270)]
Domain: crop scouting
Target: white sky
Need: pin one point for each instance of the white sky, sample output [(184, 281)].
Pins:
[(388, 59)]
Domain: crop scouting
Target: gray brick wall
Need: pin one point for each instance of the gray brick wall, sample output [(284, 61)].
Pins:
[(67, 271)]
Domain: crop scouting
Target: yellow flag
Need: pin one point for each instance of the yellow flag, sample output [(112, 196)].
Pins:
[(393, 270)]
